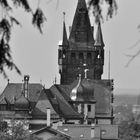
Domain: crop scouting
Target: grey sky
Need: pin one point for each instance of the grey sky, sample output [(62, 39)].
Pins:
[(36, 54)]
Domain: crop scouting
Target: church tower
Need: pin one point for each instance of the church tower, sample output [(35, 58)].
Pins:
[(80, 53)]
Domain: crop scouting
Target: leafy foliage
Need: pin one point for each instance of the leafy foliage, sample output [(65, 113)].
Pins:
[(97, 8), (5, 4), (38, 19), (6, 23), (16, 131), (22, 3), (129, 130), (5, 52)]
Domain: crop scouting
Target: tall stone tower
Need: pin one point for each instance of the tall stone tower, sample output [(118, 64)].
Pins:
[(80, 53)]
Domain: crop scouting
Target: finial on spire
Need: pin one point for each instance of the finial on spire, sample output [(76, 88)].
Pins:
[(64, 16), (109, 64), (65, 39)]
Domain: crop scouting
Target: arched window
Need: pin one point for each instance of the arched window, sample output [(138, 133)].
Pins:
[(59, 54)]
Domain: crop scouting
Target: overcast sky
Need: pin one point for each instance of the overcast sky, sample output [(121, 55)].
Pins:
[(36, 54)]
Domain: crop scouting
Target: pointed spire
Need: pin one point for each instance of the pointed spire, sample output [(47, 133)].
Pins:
[(81, 31), (99, 38), (65, 39)]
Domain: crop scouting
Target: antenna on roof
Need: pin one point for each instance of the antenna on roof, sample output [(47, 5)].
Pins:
[(109, 64), (22, 87), (40, 81)]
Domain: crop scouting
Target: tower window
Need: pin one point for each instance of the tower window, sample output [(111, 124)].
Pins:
[(81, 56), (73, 57), (89, 108), (64, 53), (60, 54), (89, 56)]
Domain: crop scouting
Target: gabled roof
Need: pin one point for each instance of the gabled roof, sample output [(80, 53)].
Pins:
[(14, 90), (81, 31), (102, 93), (4, 101), (52, 131), (39, 110), (61, 105)]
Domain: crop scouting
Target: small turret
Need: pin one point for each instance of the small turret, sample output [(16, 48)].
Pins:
[(99, 38), (65, 39), (21, 103)]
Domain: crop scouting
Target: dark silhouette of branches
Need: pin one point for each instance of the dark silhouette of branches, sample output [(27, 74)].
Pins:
[(97, 8), (7, 23), (38, 19), (132, 56)]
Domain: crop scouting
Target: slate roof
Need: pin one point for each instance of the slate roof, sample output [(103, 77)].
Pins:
[(102, 94), (3, 100), (61, 105), (81, 28), (52, 131), (83, 92), (39, 110), (14, 90), (57, 99), (22, 103)]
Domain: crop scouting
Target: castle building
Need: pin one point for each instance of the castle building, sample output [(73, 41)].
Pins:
[(81, 105)]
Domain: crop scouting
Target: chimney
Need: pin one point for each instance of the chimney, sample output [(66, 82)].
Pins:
[(48, 117), (26, 85)]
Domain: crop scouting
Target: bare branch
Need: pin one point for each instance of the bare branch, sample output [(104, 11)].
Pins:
[(132, 57), (133, 46)]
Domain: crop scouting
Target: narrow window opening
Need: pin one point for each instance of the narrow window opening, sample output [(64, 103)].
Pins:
[(89, 108)]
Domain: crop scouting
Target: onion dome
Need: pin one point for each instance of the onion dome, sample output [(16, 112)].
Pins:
[(83, 92), (22, 103)]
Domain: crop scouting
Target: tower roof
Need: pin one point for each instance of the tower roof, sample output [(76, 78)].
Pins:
[(83, 92), (99, 38), (65, 39), (22, 103), (81, 31)]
